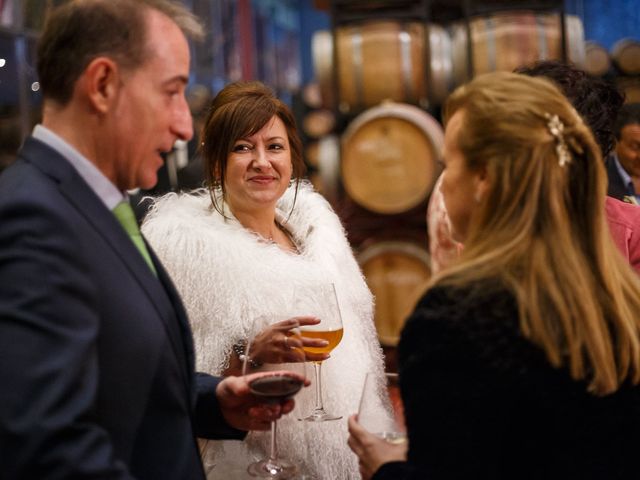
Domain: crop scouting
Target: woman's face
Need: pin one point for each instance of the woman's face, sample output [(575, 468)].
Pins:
[(462, 188), (259, 169)]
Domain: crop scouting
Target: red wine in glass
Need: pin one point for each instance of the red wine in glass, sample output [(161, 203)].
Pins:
[(279, 382), (276, 388)]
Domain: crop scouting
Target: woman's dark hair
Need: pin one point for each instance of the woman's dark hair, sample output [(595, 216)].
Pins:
[(596, 100)]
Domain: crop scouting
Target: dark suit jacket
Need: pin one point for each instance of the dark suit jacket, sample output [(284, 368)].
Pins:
[(617, 188), (96, 357)]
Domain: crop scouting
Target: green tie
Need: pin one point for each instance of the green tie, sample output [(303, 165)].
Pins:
[(124, 214)]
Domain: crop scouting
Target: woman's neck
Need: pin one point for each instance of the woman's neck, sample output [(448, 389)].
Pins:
[(265, 225), (263, 222)]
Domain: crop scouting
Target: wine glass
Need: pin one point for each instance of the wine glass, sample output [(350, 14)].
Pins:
[(381, 411), (319, 301), (282, 382)]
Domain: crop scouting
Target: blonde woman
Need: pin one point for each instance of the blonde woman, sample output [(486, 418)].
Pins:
[(598, 102), (522, 360)]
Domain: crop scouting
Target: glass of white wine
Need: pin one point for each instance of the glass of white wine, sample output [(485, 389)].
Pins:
[(320, 301), (284, 382), (381, 411)]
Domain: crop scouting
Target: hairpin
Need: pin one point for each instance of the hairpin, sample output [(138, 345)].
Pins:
[(556, 127)]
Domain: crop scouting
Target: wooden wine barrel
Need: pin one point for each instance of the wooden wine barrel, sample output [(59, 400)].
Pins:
[(324, 156), (384, 60), (322, 53), (626, 55), (505, 41), (631, 88), (397, 273), (311, 95), (597, 60), (311, 152), (318, 123), (390, 157)]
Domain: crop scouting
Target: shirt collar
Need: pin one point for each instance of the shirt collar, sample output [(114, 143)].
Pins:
[(626, 179), (101, 185)]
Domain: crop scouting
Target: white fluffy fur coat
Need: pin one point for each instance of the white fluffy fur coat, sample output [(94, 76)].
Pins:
[(227, 276)]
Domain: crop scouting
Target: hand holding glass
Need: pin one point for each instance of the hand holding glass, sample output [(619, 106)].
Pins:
[(381, 411), (284, 382), (319, 301)]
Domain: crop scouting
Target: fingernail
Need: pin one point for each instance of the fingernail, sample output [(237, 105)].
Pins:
[(324, 343)]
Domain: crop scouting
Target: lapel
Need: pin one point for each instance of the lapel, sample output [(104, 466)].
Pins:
[(166, 304), (617, 188), (181, 314)]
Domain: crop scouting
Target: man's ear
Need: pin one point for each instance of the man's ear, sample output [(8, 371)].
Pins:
[(101, 81)]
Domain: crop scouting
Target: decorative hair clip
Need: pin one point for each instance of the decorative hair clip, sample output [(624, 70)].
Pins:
[(556, 127)]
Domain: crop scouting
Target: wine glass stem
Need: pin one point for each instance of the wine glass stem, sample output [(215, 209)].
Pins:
[(318, 375), (273, 452)]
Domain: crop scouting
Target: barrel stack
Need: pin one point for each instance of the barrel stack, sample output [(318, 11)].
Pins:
[(619, 64), (625, 55), (384, 70)]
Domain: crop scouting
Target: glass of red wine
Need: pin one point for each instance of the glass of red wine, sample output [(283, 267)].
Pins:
[(283, 377)]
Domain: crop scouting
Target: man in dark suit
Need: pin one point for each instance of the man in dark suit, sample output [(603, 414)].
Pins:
[(96, 355), (623, 165)]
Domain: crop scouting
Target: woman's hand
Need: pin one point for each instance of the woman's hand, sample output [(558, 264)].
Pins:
[(372, 451), (276, 344)]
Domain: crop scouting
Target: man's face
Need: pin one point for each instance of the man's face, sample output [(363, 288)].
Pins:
[(628, 149), (151, 112)]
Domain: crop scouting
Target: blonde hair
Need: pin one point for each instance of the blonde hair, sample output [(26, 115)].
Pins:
[(541, 231)]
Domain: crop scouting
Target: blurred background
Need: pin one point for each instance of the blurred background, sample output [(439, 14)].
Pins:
[(366, 80)]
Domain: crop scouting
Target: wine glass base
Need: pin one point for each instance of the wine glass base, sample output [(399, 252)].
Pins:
[(396, 438), (280, 469), (321, 416)]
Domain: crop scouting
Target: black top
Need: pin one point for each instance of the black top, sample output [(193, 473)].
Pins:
[(481, 401)]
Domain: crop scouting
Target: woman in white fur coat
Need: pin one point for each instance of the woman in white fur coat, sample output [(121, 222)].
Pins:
[(237, 251)]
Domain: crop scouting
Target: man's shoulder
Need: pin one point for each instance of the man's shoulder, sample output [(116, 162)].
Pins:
[(23, 182), (32, 196), (35, 162)]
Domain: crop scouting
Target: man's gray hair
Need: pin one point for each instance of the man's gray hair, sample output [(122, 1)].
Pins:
[(82, 30)]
